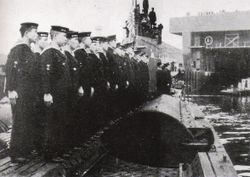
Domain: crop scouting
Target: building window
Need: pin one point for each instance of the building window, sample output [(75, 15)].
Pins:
[(198, 64), (232, 40), (197, 41)]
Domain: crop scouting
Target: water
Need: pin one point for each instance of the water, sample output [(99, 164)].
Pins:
[(230, 117), (114, 167)]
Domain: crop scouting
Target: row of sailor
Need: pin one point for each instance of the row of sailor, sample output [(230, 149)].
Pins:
[(63, 91)]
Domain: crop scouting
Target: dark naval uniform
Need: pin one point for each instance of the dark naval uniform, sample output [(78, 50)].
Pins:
[(136, 81), (106, 91), (39, 122), (105, 67), (123, 78), (72, 120), (56, 81), (114, 72), (83, 107), (145, 79), (98, 73), (99, 85), (20, 78), (113, 67), (82, 58), (163, 79), (74, 72)]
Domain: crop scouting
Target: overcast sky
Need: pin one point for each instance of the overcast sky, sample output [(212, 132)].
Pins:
[(88, 15)]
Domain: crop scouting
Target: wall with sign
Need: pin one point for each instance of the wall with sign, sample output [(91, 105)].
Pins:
[(208, 40), (221, 39), (202, 42)]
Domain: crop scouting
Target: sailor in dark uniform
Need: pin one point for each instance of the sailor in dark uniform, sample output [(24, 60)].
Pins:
[(99, 82), (123, 101), (86, 81), (145, 71), (97, 59), (112, 76), (20, 85), (126, 81), (72, 127), (114, 56), (41, 43), (163, 79), (81, 55), (125, 57), (166, 68), (144, 76), (102, 49), (112, 62), (159, 76), (56, 86), (132, 80), (138, 87), (71, 46), (107, 47), (39, 122)]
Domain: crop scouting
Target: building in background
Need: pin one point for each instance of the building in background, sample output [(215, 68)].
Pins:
[(216, 49)]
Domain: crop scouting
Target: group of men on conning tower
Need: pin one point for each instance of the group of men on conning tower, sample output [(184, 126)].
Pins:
[(63, 91)]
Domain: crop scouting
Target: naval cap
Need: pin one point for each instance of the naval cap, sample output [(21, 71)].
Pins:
[(99, 38), (84, 34), (60, 29), (72, 34), (43, 34), (29, 25)]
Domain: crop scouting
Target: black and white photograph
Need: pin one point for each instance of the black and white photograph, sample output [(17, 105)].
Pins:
[(124, 88)]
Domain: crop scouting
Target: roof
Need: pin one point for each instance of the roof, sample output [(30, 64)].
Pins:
[(226, 21)]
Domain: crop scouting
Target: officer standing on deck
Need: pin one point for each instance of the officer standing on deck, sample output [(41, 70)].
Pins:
[(56, 86), (20, 85)]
